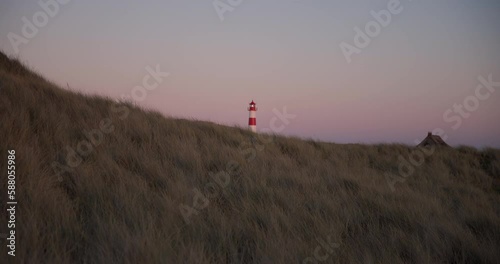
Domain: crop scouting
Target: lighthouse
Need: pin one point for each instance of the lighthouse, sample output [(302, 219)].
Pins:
[(252, 120)]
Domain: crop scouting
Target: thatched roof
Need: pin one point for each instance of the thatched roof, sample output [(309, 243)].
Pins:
[(432, 140)]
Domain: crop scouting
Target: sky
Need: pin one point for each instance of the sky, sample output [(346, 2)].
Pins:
[(399, 78)]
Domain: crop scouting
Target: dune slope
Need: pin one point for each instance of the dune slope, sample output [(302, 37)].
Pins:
[(99, 181)]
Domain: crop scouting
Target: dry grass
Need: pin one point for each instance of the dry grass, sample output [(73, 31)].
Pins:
[(121, 203)]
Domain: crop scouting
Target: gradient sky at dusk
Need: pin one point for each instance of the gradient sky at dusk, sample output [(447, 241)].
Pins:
[(281, 53)]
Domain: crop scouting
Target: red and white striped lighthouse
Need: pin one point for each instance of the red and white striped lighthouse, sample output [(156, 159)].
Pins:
[(252, 120)]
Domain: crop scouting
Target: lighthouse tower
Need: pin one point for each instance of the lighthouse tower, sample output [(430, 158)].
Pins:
[(252, 120)]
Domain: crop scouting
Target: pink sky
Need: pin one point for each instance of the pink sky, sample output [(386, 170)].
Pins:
[(281, 54)]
